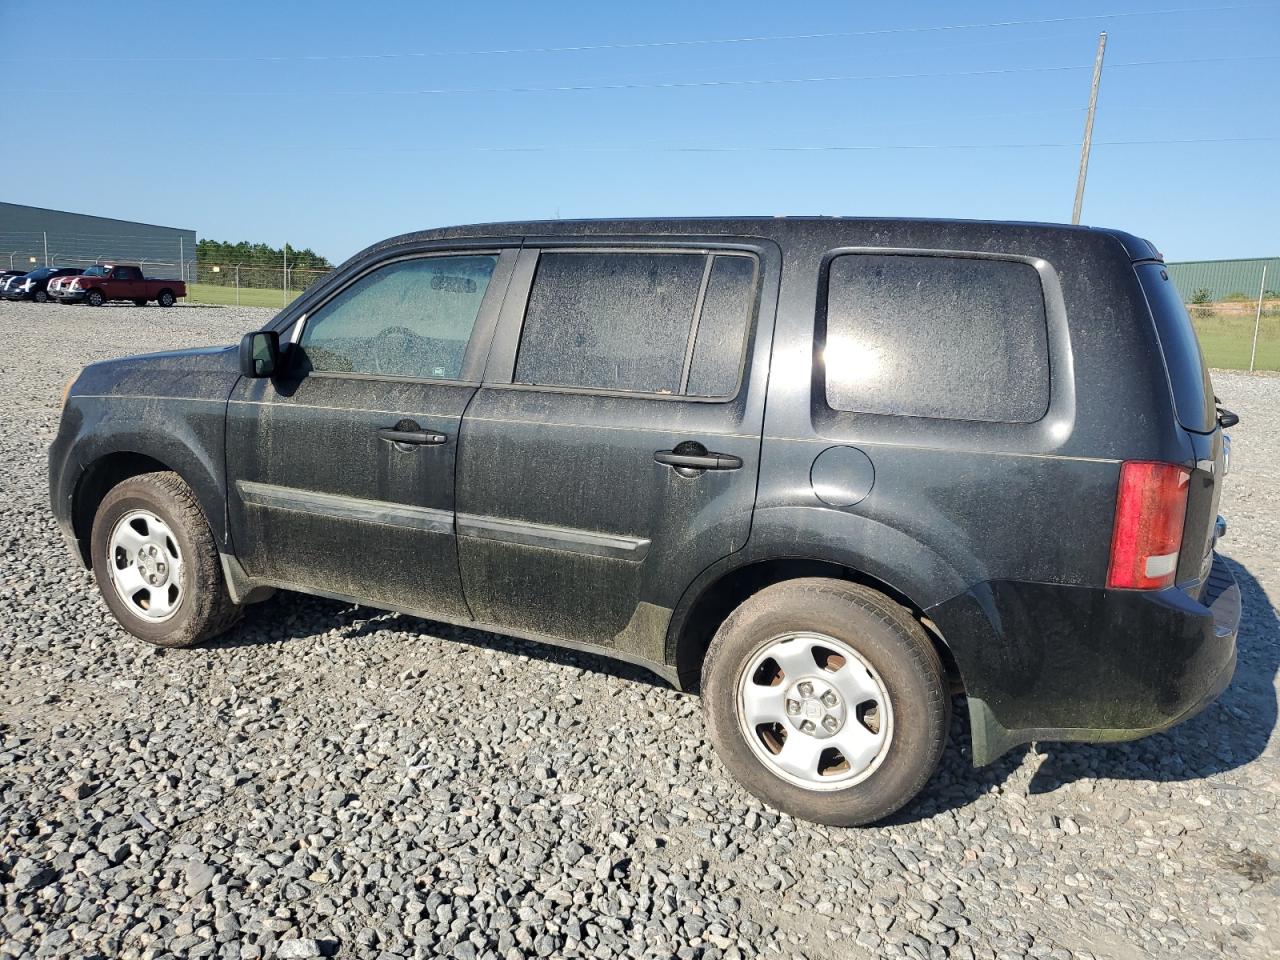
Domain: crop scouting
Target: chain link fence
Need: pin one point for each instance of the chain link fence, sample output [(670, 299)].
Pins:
[(253, 282), (1235, 306), (253, 279)]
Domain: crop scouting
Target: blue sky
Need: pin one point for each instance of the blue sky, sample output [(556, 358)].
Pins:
[(333, 126)]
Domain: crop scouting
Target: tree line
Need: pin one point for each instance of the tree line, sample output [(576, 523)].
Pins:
[(261, 265)]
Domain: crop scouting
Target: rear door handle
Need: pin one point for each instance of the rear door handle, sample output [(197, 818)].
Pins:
[(692, 456), (411, 433)]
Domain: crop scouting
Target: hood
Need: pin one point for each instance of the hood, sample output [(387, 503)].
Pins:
[(202, 373)]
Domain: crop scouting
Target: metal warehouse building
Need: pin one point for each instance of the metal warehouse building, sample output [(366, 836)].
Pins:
[(1222, 279), (31, 236)]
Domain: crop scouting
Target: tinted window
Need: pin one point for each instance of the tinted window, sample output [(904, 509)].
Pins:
[(717, 348), (945, 337), (127, 273), (1188, 374), (625, 321), (408, 319)]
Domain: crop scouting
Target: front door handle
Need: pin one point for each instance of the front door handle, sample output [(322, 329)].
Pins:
[(690, 458), (406, 431)]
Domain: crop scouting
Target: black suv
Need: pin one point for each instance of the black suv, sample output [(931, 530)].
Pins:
[(35, 285), (826, 470)]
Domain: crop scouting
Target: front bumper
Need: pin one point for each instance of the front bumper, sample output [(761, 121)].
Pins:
[(1055, 662), (68, 296)]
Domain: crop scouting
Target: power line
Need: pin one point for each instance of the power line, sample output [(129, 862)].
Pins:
[(643, 45), (687, 84), (820, 148)]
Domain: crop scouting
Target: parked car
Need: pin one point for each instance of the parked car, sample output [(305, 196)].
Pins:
[(99, 284), (35, 285), (56, 284), (8, 275), (824, 471)]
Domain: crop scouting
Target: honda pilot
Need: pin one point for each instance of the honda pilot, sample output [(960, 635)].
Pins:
[(826, 472)]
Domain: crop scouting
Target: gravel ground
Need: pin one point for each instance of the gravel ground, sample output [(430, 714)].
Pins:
[(296, 789)]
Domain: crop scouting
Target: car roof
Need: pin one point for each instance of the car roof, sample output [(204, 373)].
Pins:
[(978, 233)]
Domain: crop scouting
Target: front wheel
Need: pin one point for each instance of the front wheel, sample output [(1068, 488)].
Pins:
[(41, 297), (826, 700), (166, 298), (156, 563), (95, 298)]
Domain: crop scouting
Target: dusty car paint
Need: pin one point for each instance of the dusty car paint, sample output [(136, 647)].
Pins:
[(543, 512)]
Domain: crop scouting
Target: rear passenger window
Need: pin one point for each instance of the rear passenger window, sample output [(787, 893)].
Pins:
[(933, 336), (668, 323)]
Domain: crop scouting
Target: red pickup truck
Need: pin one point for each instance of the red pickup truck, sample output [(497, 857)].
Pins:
[(99, 284)]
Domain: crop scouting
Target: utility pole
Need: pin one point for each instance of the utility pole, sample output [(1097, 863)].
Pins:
[(46, 248), (284, 279), (1257, 317), (1088, 128)]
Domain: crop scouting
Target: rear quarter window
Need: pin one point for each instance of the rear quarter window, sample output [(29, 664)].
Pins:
[(1188, 375), (951, 338)]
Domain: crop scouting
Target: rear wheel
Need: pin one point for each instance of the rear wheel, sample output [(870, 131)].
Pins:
[(166, 298), (156, 563), (95, 298), (826, 700)]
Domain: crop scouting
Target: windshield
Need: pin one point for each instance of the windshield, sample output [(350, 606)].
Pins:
[(41, 273), (96, 272)]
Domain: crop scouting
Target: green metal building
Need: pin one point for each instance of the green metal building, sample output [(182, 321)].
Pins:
[(1237, 279)]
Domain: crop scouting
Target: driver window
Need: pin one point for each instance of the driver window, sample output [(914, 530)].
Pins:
[(407, 319)]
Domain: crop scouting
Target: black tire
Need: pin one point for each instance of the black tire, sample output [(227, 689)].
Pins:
[(140, 302), (166, 298), (95, 298), (889, 639), (205, 608), (41, 297)]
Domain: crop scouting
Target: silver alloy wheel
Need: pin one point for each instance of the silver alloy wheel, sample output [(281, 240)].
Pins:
[(814, 711), (145, 565)]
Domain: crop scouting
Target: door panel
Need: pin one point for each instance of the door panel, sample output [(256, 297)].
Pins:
[(341, 472), (567, 525), (320, 499)]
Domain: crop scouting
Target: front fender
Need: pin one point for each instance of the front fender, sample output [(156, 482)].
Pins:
[(184, 435)]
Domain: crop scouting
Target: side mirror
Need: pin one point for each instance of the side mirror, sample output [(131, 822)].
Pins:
[(260, 353)]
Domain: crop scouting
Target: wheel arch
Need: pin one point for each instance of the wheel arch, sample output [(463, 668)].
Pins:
[(108, 471), (694, 623), (787, 542)]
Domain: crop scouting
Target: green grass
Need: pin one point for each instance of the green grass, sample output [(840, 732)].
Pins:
[(1227, 338), (226, 296)]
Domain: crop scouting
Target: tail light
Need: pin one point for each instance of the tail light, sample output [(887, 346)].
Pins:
[(1151, 506)]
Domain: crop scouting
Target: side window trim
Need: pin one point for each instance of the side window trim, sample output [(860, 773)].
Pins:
[(481, 332), (697, 318), (499, 372)]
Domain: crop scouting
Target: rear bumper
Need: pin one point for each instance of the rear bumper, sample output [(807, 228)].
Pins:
[(1053, 662)]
